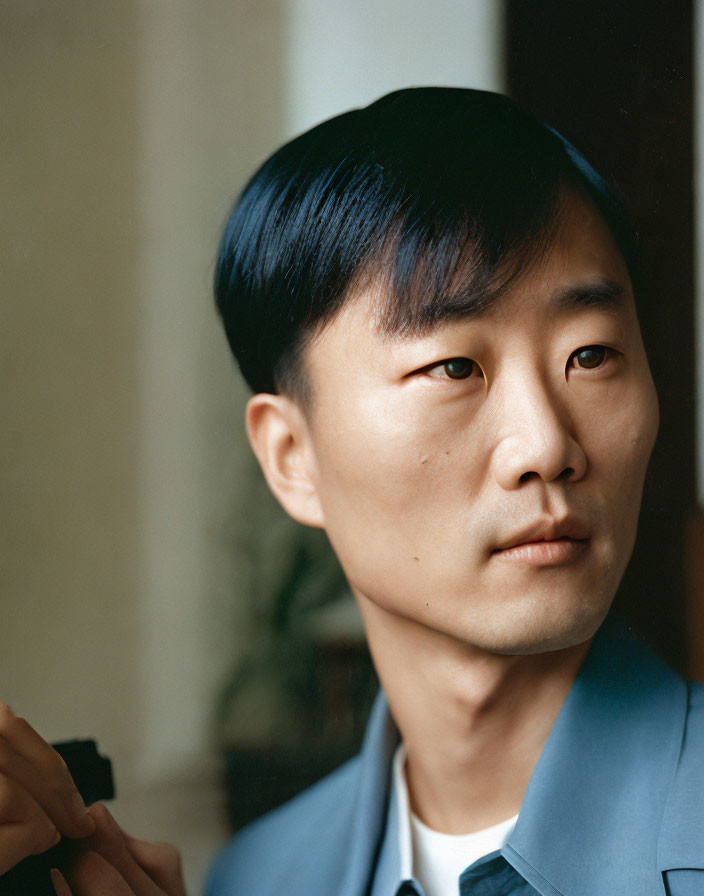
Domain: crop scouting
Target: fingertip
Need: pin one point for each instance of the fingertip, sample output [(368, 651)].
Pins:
[(98, 814), (102, 816), (106, 828), (59, 882)]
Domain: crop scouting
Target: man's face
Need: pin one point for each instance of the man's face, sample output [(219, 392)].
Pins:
[(494, 499)]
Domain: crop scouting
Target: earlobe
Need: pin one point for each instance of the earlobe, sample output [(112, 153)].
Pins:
[(280, 439)]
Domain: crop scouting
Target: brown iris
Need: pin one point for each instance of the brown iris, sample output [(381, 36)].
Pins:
[(591, 356), (458, 368)]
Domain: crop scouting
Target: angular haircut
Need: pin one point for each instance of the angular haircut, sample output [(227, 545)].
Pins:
[(437, 197)]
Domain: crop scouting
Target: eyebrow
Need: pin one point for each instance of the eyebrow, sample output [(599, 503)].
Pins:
[(602, 294)]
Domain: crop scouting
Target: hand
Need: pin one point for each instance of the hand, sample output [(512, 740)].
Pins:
[(38, 799), (111, 863)]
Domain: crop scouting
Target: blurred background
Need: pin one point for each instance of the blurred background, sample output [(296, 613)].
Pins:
[(152, 594)]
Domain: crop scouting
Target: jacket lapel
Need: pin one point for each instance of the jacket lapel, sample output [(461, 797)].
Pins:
[(371, 799)]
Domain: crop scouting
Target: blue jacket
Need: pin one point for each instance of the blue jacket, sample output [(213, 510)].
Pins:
[(615, 806)]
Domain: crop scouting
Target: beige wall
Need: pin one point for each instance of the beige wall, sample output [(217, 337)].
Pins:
[(71, 547), (209, 108), (127, 128), (699, 238)]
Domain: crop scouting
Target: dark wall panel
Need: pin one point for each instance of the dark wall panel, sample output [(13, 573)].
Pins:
[(616, 79)]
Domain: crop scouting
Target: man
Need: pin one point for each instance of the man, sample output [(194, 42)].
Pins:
[(432, 300)]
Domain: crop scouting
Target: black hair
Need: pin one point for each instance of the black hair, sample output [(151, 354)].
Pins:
[(441, 196)]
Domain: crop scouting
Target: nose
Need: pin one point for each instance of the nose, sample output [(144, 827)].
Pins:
[(537, 439)]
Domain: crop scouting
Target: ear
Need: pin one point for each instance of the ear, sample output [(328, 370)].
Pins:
[(280, 438)]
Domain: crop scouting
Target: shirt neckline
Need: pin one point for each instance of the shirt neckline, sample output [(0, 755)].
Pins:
[(491, 838)]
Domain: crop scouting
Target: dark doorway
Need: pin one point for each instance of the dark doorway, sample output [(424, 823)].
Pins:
[(616, 79)]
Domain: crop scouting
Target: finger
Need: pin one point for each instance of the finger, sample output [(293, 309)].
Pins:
[(26, 829), (93, 875), (109, 843), (161, 861), (59, 882), (29, 760), (50, 792)]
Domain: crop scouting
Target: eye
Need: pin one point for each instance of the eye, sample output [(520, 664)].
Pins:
[(454, 368), (589, 357)]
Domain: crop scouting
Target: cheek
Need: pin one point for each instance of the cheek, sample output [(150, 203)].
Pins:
[(376, 452), (626, 437), (641, 426), (393, 477)]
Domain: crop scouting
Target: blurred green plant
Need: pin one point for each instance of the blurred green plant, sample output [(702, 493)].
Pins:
[(286, 574)]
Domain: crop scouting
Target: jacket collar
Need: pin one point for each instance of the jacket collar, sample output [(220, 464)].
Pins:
[(591, 816)]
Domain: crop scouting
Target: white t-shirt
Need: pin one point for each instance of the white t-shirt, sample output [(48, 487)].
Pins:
[(436, 860)]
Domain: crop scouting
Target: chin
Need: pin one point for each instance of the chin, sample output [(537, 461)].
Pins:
[(542, 630)]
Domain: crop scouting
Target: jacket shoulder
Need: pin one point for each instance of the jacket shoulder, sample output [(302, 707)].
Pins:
[(277, 853), (689, 777)]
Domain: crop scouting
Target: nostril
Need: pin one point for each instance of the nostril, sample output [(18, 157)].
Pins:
[(567, 474), (524, 477)]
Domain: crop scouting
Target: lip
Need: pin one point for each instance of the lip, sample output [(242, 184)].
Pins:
[(546, 542)]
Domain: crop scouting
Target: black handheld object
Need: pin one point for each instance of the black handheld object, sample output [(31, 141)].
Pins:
[(92, 774)]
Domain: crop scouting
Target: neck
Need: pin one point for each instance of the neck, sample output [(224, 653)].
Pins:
[(474, 722)]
